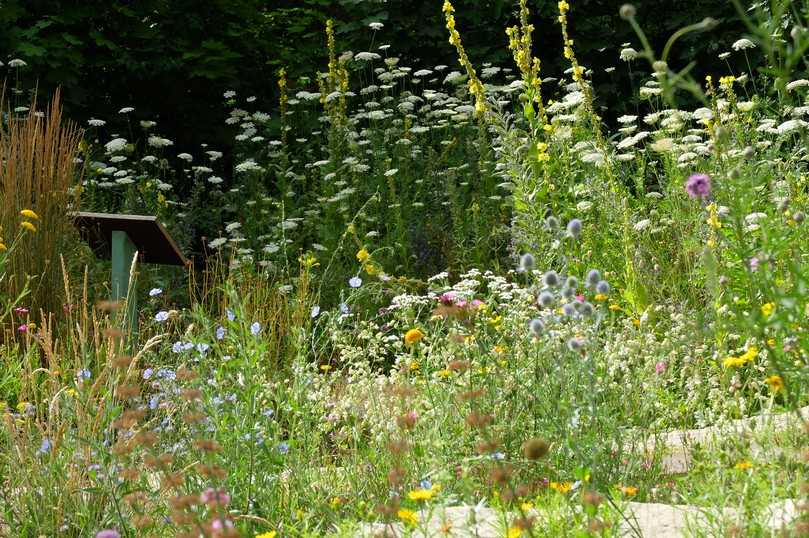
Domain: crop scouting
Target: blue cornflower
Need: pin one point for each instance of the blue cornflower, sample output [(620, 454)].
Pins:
[(498, 456), (147, 373), (83, 374), (161, 316), (425, 484), (220, 332), (177, 347), (202, 348), (283, 447), (230, 314), (268, 412), (45, 447), (344, 309), (255, 328)]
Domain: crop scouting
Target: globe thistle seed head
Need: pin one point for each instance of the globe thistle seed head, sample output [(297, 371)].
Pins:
[(536, 327), (572, 282), (527, 262), (799, 216), (551, 279), (593, 276), (574, 228), (552, 223), (586, 309), (568, 293), (603, 287), (546, 299), (569, 309), (576, 344)]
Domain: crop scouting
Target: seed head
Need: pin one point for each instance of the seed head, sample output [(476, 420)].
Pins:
[(527, 262), (593, 276), (603, 287), (536, 448), (552, 223), (627, 11), (550, 279), (574, 228), (536, 327), (546, 299)]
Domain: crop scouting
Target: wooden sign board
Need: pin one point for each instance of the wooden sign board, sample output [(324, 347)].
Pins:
[(150, 238)]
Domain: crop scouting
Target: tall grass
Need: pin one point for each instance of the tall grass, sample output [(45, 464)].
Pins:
[(38, 172)]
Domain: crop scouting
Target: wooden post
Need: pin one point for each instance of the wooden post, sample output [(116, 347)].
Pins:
[(123, 254)]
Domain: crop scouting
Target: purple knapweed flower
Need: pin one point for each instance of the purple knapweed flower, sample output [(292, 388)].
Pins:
[(108, 533), (698, 186)]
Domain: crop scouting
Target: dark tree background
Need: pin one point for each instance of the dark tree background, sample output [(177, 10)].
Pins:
[(173, 59)]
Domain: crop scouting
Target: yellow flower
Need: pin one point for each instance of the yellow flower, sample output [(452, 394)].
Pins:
[(775, 382), (526, 506), (408, 516), (713, 216), (743, 465), (414, 366), (71, 392), (561, 487), (444, 373), (325, 367), (22, 407), (614, 307), (362, 256), (563, 6), (28, 226), (600, 297), (767, 309), (629, 491), (499, 349), (270, 534), (3, 246), (413, 336), (421, 494), (514, 532), (732, 362), (27, 213), (771, 342)]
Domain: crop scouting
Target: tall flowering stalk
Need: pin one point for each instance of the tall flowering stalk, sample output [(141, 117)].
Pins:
[(475, 85)]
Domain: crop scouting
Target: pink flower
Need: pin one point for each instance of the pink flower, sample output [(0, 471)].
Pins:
[(580, 298), (23, 328), (660, 367), (448, 297), (220, 525), (698, 186), (21, 310), (215, 497), (753, 263)]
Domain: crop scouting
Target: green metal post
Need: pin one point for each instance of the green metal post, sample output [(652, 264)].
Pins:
[(123, 253)]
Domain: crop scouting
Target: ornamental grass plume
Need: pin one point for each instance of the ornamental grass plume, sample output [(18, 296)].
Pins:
[(37, 176)]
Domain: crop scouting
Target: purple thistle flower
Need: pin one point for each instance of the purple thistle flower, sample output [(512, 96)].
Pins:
[(108, 533), (698, 186)]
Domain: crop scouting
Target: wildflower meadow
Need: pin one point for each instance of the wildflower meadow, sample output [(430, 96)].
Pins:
[(416, 299)]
